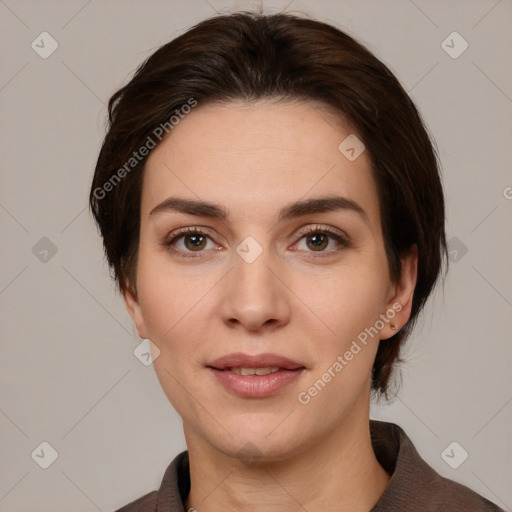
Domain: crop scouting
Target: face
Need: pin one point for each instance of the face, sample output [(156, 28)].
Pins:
[(254, 279)]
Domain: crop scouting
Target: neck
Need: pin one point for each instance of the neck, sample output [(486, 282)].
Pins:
[(338, 473)]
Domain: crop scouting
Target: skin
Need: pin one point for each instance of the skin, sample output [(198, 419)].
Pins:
[(253, 159)]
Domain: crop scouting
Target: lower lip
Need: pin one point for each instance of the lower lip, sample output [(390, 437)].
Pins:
[(256, 386)]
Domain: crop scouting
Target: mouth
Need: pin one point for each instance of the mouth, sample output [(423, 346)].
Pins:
[(255, 376)]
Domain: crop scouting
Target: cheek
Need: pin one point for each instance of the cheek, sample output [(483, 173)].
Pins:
[(158, 301), (172, 307), (341, 303), (345, 345), (348, 304), (172, 303)]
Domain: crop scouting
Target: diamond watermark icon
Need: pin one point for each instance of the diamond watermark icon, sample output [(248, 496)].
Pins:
[(249, 454), (249, 249), (44, 250), (454, 455), (351, 147), (44, 45), (45, 455), (456, 249), (454, 45), (146, 352)]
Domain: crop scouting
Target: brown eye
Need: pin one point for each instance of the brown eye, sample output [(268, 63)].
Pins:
[(321, 240), (194, 242), (190, 242), (317, 241)]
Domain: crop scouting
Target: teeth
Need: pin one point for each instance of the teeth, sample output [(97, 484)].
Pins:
[(254, 371)]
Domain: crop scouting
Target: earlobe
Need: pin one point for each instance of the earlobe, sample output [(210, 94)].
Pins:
[(131, 302), (400, 304)]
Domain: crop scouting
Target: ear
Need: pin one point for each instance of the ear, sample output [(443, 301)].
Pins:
[(131, 302), (401, 294)]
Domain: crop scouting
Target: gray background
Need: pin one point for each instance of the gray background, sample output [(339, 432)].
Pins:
[(68, 373)]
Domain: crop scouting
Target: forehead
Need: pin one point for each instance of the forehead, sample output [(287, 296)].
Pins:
[(255, 157)]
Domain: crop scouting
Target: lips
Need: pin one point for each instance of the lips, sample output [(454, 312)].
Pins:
[(257, 376), (240, 360)]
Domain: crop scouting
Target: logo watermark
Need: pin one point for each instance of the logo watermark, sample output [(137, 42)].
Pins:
[(304, 397), (137, 156)]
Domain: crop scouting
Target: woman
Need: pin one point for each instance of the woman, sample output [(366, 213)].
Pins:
[(271, 207)]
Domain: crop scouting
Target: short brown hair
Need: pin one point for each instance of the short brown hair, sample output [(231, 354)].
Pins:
[(251, 56)]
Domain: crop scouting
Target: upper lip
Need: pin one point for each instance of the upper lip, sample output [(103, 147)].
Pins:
[(240, 360)]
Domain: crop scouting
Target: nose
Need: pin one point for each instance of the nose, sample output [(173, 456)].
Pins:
[(253, 296)]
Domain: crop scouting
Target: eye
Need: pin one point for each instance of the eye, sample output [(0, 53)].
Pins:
[(190, 240), (317, 239)]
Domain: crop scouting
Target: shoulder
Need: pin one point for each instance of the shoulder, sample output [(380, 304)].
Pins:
[(414, 485), (454, 497), (173, 490), (146, 503)]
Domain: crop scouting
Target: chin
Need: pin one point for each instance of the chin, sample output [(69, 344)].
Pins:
[(259, 443)]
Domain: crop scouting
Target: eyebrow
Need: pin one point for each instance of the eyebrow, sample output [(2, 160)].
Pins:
[(290, 211)]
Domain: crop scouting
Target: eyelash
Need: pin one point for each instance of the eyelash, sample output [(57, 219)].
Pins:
[(324, 230)]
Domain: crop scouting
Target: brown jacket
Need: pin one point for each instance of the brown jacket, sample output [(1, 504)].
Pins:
[(414, 485)]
